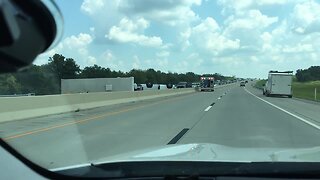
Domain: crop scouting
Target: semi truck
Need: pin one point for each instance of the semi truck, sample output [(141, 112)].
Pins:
[(278, 84), (206, 84)]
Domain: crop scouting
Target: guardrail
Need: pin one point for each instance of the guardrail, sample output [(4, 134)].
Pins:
[(23, 107)]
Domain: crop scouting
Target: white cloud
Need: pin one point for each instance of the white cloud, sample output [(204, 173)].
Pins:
[(239, 6), (103, 13), (108, 56), (266, 37), (306, 17), (182, 66), (256, 35), (196, 59), (184, 39), (75, 46), (250, 27), (209, 24), (137, 25), (92, 6), (163, 54), (82, 40), (207, 35), (127, 32), (249, 38), (281, 30), (107, 13), (169, 12), (162, 63), (253, 19), (79, 44), (108, 59), (271, 2), (254, 59), (136, 64), (91, 60), (298, 48), (236, 5), (283, 40)]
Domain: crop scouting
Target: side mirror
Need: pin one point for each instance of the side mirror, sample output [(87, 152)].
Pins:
[(27, 28)]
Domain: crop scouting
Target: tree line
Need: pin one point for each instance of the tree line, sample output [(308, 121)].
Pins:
[(46, 79), (310, 74)]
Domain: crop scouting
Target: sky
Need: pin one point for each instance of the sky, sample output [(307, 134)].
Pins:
[(242, 38)]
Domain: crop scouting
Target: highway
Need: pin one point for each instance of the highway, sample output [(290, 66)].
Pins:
[(231, 115)]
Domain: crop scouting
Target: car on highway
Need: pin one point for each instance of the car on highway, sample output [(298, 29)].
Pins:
[(181, 85), (138, 87), (194, 85), (102, 129)]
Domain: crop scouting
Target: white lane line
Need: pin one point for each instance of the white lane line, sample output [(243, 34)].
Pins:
[(208, 108), (298, 117)]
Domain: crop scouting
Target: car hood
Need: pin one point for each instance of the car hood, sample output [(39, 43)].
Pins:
[(215, 152), (205, 152)]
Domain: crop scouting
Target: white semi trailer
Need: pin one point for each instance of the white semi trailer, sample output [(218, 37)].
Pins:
[(279, 83)]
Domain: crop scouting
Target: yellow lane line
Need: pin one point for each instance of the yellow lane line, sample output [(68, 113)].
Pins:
[(85, 120)]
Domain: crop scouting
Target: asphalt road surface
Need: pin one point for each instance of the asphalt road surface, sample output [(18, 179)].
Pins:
[(232, 115)]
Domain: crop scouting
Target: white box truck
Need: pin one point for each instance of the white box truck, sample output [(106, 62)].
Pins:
[(278, 84)]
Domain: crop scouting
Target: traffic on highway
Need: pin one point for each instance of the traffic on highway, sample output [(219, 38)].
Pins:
[(159, 89)]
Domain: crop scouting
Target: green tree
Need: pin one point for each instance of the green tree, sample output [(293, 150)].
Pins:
[(70, 69), (60, 67), (172, 78), (63, 68), (96, 71), (115, 74), (151, 76), (36, 80), (310, 74), (139, 75)]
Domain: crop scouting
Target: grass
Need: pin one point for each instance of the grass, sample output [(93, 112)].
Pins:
[(259, 84), (306, 90)]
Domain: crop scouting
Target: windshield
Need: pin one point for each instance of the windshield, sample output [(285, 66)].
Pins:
[(127, 82)]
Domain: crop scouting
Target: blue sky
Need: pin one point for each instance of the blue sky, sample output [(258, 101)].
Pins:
[(244, 38)]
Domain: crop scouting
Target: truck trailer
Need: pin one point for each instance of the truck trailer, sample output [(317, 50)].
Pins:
[(278, 84)]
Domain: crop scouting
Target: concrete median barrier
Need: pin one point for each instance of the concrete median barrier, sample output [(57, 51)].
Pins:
[(16, 108)]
